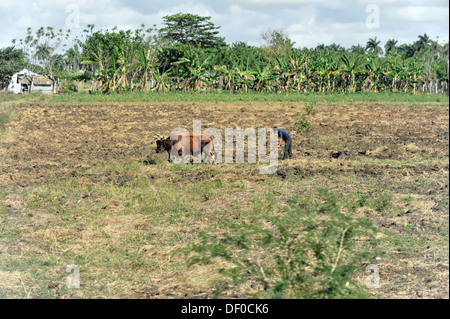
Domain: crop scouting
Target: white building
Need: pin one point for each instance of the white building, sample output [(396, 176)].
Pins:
[(28, 81)]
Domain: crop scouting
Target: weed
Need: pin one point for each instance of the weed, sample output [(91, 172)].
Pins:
[(361, 198), (408, 198), (303, 124), (309, 107), (383, 201)]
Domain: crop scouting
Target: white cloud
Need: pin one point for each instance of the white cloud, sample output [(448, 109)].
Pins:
[(188, 7), (345, 34), (441, 3), (261, 4), (416, 14), (245, 25), (307, 22), (283, 3)]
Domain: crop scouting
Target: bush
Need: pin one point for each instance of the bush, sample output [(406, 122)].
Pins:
[(311, 250), (302, 123)]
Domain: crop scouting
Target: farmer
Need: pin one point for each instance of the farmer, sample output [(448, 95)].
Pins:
[(284, 136)]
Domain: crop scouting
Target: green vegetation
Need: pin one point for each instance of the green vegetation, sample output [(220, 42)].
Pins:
[(11, 61), (191, 29), (41, 49), (188, 54), (230, 97), (302, 124)]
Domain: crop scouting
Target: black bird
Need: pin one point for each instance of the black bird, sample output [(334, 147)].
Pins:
[(335, 154)]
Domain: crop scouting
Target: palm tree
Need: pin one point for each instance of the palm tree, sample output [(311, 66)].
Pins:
[(407, 50), (423, 42), (42, 52), (390, 46), (73, 56), (359, 49), (320, 47), (373, 46)]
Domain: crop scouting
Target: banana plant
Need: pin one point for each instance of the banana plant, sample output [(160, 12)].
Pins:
[(194, 70), (318, 74), (146, 63), (350, 69), (298, 67), (282, 72), (113, 76), (106, 77), (374, 69), (244, 79), (226, 75), (263, 78), (162, 80), (415, 69), (332, 72), (211, 79), (395, 66), (119, 75)]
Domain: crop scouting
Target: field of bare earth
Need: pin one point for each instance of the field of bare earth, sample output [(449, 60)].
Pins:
[(81, 184)]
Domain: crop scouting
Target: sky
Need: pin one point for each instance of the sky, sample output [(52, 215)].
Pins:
[(307, 22)]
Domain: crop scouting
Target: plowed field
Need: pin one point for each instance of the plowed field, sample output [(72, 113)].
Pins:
[(81, 184)]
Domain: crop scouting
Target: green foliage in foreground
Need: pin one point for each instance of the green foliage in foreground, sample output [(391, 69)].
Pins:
[(310, 249)]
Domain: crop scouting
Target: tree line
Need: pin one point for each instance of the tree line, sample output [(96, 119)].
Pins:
[(187, 53)]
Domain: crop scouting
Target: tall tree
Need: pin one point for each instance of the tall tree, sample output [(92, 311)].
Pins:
[(358, 49), (44, 46), (72, 56), (192, 29), (423, 42), (11, 61), (390, 46), (277, 42), (373, 46), (406, 50)]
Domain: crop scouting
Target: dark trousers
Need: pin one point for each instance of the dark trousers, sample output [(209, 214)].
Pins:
[(287, 149)]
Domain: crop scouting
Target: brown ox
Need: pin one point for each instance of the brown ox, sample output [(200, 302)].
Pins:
[(186, 144)]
